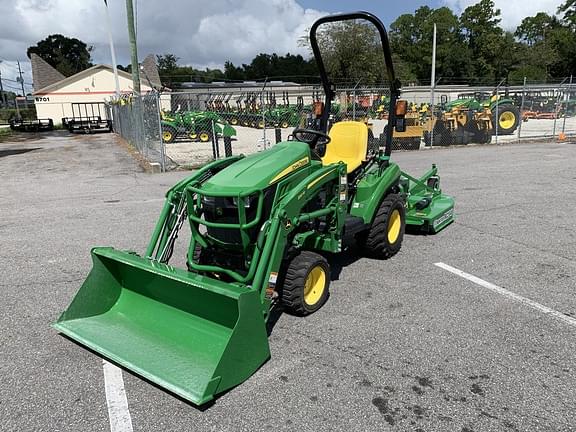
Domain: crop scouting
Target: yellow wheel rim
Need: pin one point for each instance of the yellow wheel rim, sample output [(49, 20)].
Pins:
[(166, 136), (261, 125), (193, 136), (394, 224), (507, 120), (314, 286), (284, 125), (204, 137), (234, 121)]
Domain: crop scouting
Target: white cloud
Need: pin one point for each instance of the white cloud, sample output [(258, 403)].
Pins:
[(202, 33), (513, 11)]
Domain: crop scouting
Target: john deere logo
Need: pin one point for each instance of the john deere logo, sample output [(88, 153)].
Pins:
[(443, 218), (300, 163)]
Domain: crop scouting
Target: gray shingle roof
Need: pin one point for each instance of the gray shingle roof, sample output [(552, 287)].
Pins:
[(43, 74), (150, 72)]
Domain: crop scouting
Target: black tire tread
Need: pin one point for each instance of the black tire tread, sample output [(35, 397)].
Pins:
[(294, 279), (376, 241)]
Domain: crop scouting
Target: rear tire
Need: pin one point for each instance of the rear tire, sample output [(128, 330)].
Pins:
[(306, 283), (384, 238), (508, 117)]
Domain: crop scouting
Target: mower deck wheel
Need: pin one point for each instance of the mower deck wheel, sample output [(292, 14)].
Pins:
[(306, 282)]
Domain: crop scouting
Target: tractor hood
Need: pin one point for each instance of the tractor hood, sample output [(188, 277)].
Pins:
[(261, 169)]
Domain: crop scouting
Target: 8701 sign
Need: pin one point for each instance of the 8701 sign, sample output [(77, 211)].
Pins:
[(42, 99)]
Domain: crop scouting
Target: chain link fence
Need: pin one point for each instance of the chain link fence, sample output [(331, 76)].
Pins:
[(190, 128), (137, 120)]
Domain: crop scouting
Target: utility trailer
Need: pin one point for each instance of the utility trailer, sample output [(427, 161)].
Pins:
[(37, 125), (88, 117)]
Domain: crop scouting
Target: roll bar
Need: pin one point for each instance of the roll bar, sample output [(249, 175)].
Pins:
[(328, 86)]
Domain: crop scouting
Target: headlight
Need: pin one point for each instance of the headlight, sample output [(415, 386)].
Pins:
[(248, 201)]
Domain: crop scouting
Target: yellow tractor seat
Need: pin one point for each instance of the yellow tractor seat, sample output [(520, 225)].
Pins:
[(348, 143)]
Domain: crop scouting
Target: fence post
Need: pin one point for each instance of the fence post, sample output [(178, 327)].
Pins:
[(522, 110), (162, 145), (263, 108), (215, 150), (227, 146), (278, 132), (566, 109), (556, 107)]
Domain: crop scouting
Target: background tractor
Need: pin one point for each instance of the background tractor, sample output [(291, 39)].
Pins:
[(262, 230), (194, 125), (508, 113), (457, 126)]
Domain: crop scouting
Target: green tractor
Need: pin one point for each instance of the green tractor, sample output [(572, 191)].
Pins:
[(505, 114), (194, 125), (262, 230)]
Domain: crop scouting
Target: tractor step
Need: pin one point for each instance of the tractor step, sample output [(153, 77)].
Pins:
[(352, 226)]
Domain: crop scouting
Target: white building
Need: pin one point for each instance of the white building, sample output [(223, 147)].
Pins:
[(84, 93)]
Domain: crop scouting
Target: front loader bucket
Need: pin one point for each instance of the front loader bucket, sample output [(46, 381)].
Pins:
[(190, 334)]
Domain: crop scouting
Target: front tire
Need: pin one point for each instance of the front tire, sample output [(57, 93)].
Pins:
[(168, 134), (306, 283), (384, 238)]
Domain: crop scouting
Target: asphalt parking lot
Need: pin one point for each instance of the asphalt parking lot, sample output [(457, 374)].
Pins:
[(401, 345)]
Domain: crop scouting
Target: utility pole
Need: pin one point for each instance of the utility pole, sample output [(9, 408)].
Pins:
[(21, 81), (140, 141), (433, 85), (4, 103), (112, 52), (133, 48)]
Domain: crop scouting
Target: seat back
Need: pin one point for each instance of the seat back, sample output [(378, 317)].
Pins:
[(349, 144)]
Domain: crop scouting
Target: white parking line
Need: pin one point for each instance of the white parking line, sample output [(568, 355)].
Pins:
[(120, 420), (544, 309)]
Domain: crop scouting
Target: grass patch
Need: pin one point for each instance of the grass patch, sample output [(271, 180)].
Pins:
[(5, 133)]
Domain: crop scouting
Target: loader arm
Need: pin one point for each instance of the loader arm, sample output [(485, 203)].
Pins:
[(288, 218), (171, 213)]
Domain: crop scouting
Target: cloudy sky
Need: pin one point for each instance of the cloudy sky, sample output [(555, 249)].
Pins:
[(202, 33)]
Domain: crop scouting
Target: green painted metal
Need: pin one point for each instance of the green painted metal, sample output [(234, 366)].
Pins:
[(201, 331), (438, 212), (192, 335), (194, 122), (373, 187)]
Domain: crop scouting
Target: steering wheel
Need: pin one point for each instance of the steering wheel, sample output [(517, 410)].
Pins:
[(310, 136)]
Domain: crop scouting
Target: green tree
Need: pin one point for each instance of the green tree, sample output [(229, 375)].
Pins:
[(533, 29), (167, 62), (411, 38), (351, 52), (569, 10), (495, 53), (233, 73), (67, 55)]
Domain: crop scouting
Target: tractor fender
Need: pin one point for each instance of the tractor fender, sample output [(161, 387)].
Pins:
[(371, 191)]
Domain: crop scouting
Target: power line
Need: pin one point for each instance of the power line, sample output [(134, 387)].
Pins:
[(16, 81)]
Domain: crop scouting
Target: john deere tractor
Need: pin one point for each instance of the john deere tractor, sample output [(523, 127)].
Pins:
[(504, 114), (194, 125), (263, 229)]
